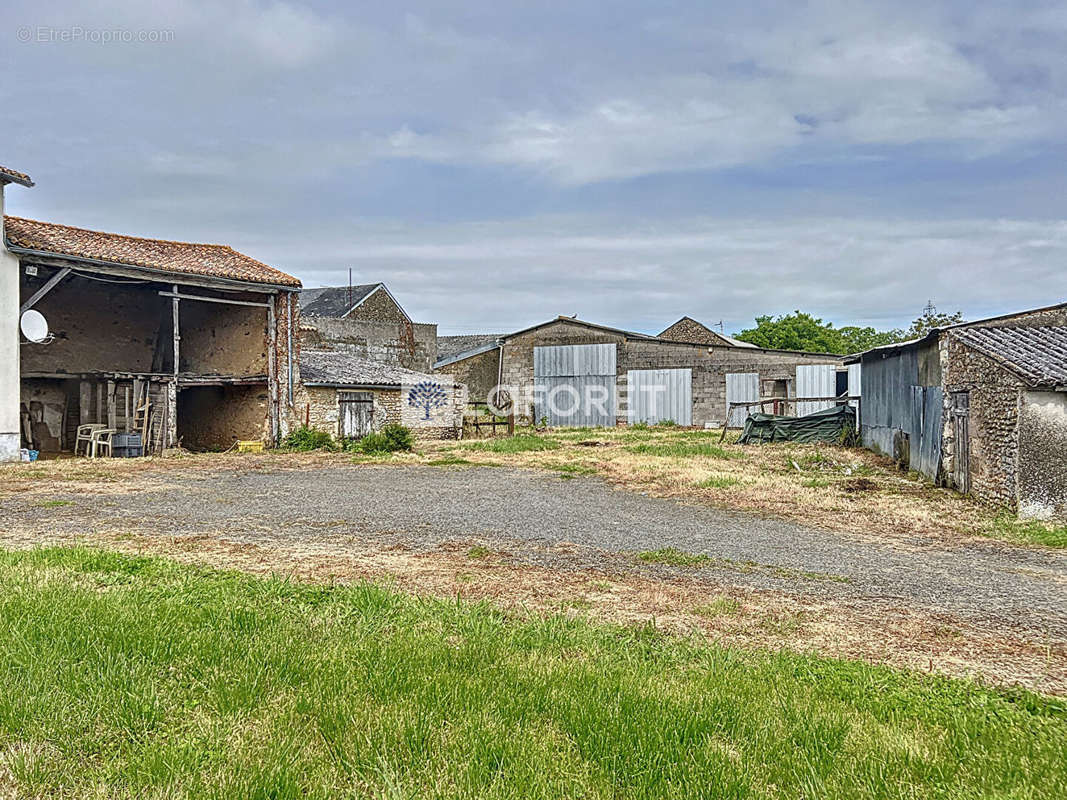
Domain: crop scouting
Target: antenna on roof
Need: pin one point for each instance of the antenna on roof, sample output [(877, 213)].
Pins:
[(349, 287), (722, 329)]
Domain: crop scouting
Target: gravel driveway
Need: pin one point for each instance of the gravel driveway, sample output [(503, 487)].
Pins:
[(530, 514)]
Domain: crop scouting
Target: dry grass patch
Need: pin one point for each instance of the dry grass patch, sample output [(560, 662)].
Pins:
[(838, 488)]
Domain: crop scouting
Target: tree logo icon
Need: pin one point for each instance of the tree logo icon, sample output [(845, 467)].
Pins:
[(427, 395)]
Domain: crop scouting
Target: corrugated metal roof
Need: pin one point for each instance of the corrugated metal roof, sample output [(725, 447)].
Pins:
[(449, 347), (1037, 355)]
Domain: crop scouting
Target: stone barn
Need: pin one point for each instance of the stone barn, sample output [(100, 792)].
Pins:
[(349, 397), (633, 377), (980, 407), (368, 321), (181, 343)]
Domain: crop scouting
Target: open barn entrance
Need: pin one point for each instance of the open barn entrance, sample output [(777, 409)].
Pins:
[(212, 418), (169, 363)]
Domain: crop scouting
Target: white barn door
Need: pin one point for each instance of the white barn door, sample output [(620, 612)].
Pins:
[(815, 380), (741, 387), (576, 384), (655, 395)]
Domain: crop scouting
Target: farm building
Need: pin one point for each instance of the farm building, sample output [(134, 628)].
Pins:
[(348, 397), (571, 372), (361, 359), (980, 407), (179, 343), (368, 321)]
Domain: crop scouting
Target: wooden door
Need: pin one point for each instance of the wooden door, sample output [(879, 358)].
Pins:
[(961, 429), (356, 413)]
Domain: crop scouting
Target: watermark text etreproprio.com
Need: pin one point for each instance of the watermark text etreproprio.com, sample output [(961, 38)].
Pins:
[(50, 34)]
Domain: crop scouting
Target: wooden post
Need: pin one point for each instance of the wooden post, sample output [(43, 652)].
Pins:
[(272, 372), (100, 415), (177, 330), (127, 392), (112, 412), (85, 402)]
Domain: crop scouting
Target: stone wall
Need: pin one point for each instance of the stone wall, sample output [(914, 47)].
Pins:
[(411, 345), (689, 330), (214, 417), (378, 307), (222, 339), (709, 365), (993, 424), (322, 412), (97, 326), (479, 373), (1042, 472), (1055, 315)]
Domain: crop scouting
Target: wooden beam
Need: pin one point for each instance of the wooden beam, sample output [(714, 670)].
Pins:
[(176, 295), (49, 286), (146, 274)]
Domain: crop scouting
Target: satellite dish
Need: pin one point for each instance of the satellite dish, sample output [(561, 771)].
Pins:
[(34, 326)]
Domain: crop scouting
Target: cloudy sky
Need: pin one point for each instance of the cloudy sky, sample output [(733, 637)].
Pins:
[(500, 163)]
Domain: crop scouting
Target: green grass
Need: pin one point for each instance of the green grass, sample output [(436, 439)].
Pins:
[(54, 503), (1032, 531), (680, 449), (519, 443), (570, 470), (479, 551), (721, 606), (450, 461), (718, 482), (674, 557), (134, 677)]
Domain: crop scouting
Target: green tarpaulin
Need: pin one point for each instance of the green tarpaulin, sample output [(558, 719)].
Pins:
[(830, 425)]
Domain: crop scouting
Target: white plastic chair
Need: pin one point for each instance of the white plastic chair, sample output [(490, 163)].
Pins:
[(101, 441), (85, 434)]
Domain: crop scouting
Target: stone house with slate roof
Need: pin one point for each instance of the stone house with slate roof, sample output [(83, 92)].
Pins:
[(979, 406), (368, 321), (348, 397), (361, 357), (179, 342)]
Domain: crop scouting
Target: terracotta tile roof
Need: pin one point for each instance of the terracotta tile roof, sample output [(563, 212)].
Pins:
[(14, 176), (1037, 355), (187, 258)]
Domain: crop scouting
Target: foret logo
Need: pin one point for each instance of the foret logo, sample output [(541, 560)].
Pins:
[(426, 403)]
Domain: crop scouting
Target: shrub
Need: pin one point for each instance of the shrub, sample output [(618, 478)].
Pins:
[(305, 438), (391, 438)]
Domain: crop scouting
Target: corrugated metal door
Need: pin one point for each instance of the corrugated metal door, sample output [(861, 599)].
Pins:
[(655, 395), (575, 384), (356, 410), (741, 387), (855, 388), (815, 380)]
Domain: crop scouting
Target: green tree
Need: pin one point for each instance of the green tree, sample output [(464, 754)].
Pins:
[(802, 331), (930, 319)]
